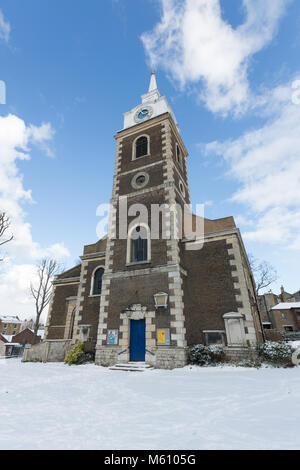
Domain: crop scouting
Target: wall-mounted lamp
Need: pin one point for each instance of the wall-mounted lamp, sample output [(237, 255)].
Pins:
[(161, 299)]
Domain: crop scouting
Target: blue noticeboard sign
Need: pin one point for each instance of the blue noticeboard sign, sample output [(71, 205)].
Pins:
[(113, 337)]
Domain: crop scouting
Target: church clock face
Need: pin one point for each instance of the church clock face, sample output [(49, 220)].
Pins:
[(143, 113)]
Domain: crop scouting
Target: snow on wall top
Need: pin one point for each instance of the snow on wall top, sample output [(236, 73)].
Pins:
[(286, 306)]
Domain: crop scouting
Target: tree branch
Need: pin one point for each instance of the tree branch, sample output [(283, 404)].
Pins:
[(42, 289), (4, 227), (264, 273)]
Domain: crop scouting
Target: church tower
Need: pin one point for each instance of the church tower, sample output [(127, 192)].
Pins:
[(142, 305), (147, 292)]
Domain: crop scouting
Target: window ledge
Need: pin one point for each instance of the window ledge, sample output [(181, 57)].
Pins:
[(95, 295), (137, 263), (138, 158)]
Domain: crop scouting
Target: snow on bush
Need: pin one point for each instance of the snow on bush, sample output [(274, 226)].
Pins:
[(203, 356), (74, 354), (77, 356), (279, 354)]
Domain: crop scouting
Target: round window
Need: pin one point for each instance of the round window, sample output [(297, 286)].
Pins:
[(140, 180), (181, 187)]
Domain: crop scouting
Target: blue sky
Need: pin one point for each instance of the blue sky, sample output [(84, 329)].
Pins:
[(73, 68)]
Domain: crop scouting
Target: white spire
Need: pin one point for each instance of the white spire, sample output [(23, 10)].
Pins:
[(152, 102), (153, 84), (153, 93)]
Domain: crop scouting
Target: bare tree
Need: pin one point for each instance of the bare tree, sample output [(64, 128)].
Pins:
[(4, 226), (264, 273), (41, 290)]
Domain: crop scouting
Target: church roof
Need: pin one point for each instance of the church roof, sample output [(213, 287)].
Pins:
[(73, 272), (99, 246), (211, 225)]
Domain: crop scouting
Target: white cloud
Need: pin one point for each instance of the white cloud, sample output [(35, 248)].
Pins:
[(266, 164), (4, 28), (195, 45), (15, 139), (41, 136), (14, 290)]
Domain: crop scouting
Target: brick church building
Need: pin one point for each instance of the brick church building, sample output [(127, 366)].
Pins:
[(148, 298)]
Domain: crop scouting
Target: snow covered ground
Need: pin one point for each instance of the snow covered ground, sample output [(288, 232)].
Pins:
[(53, 406)]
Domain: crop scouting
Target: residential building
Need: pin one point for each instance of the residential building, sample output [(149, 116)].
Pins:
[(287, 297), (10, 325), (266, 302), (286, 316), (3, 342)]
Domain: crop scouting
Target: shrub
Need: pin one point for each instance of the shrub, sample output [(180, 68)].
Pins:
[(75, 354), (278, 354), (292, 335), (201, 355), (217, 353), (85, 358)]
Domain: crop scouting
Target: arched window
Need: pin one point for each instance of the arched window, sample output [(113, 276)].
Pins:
[(97, 282), (141, 147), (178, 155), (71, 331), (140, 244)]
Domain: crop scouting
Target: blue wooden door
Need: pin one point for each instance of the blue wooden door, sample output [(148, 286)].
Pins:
[(137, 340)]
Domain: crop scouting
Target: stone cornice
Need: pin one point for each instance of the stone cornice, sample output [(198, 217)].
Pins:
[(214, 235), (142, 272), (150, 123), (90, 256), (68, 280)]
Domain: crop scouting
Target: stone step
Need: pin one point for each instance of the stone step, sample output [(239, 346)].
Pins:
[(132, 367)]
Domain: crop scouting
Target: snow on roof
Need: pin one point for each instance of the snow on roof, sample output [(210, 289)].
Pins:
[(8, 337), (286, 306), (10, 319), (41, 333)]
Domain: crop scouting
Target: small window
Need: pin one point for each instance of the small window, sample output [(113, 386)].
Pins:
[(141, 147), (181, 187), (298, 314), (178, 155), (214, 337), (140, 180), (288, 328), (97, 282), (139, 245)]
